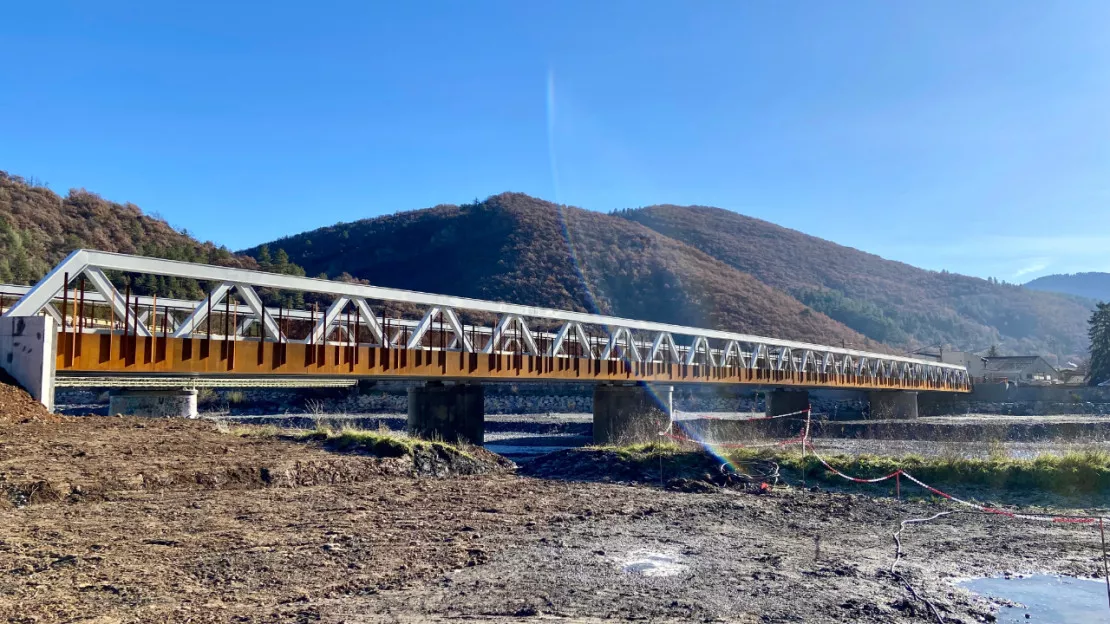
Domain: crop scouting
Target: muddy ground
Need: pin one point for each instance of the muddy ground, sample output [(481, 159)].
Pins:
[(122, 520)]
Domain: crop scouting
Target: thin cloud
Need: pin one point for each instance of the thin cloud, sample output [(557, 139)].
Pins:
[(1032, 268)]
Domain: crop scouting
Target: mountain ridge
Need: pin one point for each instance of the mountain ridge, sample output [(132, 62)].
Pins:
[(38, 228), (513, 247), (1090, 285), (887, 300), (689, 265)]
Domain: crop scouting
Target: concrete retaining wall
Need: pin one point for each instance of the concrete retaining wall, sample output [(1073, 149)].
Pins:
[(1018, 400), (27, 353)]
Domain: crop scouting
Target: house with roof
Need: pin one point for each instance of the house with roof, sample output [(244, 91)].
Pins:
[(1024, 369), (973, 362)]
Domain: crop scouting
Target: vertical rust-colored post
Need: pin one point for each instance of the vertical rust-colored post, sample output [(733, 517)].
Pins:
[(81, 316), (282, 329), (347, 337), (153, 325), (111, 321), (81, 306), (135, 328), (73, 336), (227, 317), (124, 351), (65, 301), (312, 333)]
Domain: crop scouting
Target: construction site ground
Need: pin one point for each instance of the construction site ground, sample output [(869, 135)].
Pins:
[(126, 520)]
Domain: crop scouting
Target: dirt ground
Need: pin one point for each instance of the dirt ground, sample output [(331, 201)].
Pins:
[(122, 520)]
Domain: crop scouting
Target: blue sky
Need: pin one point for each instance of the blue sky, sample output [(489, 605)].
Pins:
[(973, 137)]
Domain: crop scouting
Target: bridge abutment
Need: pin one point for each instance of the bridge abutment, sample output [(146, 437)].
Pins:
[(154, 403), (781, 402), (631, 414), (893, 404), (27, 353), (454, 413)]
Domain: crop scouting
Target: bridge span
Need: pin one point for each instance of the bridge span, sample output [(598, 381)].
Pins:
[(86, 330)]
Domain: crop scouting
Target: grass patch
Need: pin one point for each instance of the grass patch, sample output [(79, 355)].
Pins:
[(381, 443), (256, 431), (1076, 472), (644, 450)]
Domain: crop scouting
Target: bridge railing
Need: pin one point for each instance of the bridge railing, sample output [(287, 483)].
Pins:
[(356, 314)]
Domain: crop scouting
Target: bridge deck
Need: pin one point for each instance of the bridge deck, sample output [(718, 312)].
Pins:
[(117, 354)]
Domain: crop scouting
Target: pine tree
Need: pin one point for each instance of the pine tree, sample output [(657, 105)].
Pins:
[(993, 351), (264, 256), (1099, 333)]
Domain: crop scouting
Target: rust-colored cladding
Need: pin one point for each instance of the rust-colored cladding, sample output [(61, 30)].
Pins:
[(102, 353)]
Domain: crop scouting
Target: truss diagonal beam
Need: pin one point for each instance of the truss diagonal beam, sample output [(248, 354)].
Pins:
[(367, 315), (102, 285), (254, 302), (199, 314), (323, 326)]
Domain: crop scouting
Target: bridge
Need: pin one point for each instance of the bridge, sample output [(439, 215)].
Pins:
[(76, 327)]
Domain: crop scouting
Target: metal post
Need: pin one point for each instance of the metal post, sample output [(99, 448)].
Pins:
[(111, 321), (312, 333), (124, 351), (65, 301), (153, 323), (81, 307), (73, 343)]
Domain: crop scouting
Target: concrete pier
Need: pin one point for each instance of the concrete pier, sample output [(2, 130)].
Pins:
[(893, 404), (27, 353), (781, 402), (453, 413), (631, 414), (154, 403)]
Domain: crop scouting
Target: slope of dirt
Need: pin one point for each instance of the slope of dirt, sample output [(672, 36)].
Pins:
[(96, 457), (16, 406), (190, 531)]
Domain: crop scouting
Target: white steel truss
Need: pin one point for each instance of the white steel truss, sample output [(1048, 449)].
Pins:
[(628, 339)]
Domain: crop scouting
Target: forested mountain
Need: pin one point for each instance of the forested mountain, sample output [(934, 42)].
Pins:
[(38, 228), (688, 265), (1092, 285), (513, 247), (888, 301)]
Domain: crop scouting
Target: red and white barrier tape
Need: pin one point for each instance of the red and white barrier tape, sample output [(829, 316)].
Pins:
[(678, 438), (959, 501), (847, 476), (803, 439), (1003, 512), (712, 416)]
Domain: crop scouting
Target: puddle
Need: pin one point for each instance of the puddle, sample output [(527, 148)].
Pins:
[(653, 564), (1046, 598)]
